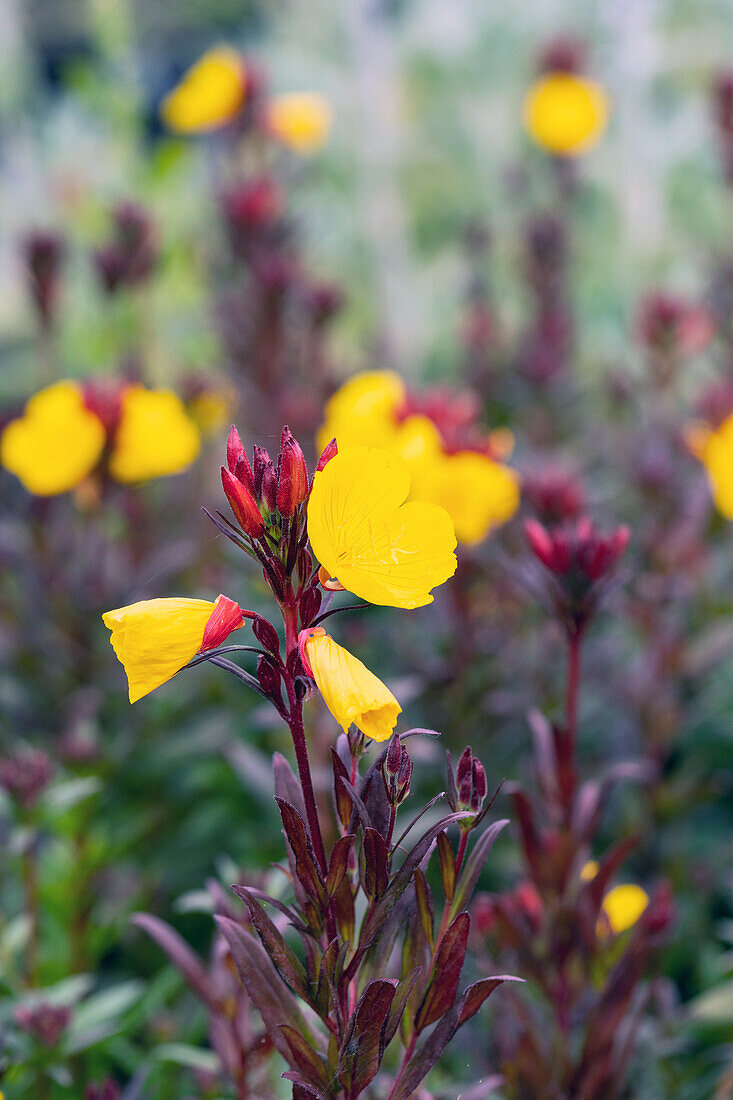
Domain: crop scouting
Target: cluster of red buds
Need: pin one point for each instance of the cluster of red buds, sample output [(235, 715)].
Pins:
[(546, 347), (252, 211), (555, 495), (564, 54), (43, 253), (26, 775), (723, 113), (466, 787), (105, 1090), (45, 1022), (579, 562), (668, 327), (128, 258)]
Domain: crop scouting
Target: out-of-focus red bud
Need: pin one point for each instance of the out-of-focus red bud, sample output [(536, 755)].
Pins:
[(329, 452), (269, 488), (660, 911), (540, 542), (242, 504), (292, 487)]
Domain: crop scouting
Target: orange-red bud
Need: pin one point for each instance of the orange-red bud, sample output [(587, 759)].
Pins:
[(329, 451), (242, 504), (292, 487)]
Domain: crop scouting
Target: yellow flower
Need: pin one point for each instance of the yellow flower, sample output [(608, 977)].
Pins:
[(623, 905), (56, 443), (362, 412), (363, 533), (715, 451), (565, 114), (478, 493), (590, 870), (154, 639), (353, 694), (210, 94), (155, 436), (300, 120), (211, 410)]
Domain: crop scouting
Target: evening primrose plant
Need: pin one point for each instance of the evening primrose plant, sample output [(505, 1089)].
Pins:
[(335, 1004)]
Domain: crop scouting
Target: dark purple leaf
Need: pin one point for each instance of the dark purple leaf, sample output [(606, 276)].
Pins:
[(401, 997), (182, 957), (441, 992), (278, 950), (374, 850), (339, 863), (425, 908), (343, 802), (311, 1065), (477, 993), (306, 868), (471, 870), (362, 1051), (447, 862)]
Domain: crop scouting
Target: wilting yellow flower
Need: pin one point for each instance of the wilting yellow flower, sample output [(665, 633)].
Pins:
[(210, 94), (155, 436), (300, 120), (565, 114), (56, 443), (154, 639), (363, 533), (715, 451), (623, 905), (353, 694)]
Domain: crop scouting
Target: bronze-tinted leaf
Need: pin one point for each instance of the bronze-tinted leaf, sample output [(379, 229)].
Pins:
[(362, 1051), (425, 908), (477, 993), (341, 797), (339, 863), (305, 865), (277, 948), (310, 1064), (441, 992), (447, 862), (376, 877)]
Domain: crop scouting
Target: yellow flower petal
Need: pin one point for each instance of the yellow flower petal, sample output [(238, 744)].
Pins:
[(154, 639), (379, 548), (565, 114), (155, 437), (353, 694), (210, 94), (300, 120), (362, 412), (623, 906), (716, 452), (478, 493), (589, 870), (56, 443)]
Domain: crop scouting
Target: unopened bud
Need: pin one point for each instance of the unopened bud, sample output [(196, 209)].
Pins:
[(242, 504), (404, 776), (310, 605), (329, 452), (394, 756), (292, 487), (266, 634), (269, 488), (268, 674), (478, 791), (261, 461), (304, 565)]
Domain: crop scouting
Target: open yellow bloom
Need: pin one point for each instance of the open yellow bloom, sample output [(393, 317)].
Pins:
[(363, 533), (154, 639), (56, 443), (155, 436), (623, 905), (353, 694), (565, 114), (210, 94), (715, 451), (300, 120), (362, 412)]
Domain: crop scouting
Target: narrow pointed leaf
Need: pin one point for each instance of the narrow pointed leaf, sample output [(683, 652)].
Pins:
[(277, 948), (362, 1052), (473, 866), (310, 1064), (441, 992)]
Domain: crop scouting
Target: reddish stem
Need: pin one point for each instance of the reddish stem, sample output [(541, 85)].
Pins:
[(461, 853)]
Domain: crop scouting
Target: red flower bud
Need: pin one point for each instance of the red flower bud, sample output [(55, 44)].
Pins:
[(292, 487), (269, 487), (238, 462), (242, 504), (329, 451)]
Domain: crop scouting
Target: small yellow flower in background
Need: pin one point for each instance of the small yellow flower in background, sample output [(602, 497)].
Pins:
[(210, 94), (565, 114), (714, 448), (300, 120), (590, 870), (623, 905), (154, 639), (478, 492), (353, 694), (56, 443), (364, 535), (155, 436), (211, 410)]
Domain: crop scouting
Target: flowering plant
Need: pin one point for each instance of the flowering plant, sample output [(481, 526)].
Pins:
[(333, 1006)]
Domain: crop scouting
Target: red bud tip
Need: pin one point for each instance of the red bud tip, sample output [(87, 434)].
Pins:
[(242, 504), (540, 542), (234, 449), (292, 487), (329, 452), (226, 617)]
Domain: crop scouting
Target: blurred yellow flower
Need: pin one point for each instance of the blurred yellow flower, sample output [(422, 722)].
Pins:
[(715, 451), (353, 694), (300, 120), (211, 410), (154, 639), (590, 870), (623, 905), (363, 533), (155, 436), (56, 443), (565, 114), (210, 94), (477, 492)]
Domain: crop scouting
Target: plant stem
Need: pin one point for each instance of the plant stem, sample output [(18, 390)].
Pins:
[(571, 703), (301, 755), (461, 852), (29, 875)]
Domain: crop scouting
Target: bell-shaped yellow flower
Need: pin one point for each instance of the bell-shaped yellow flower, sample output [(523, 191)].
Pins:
[(300, 120), (56, 443), (154, 639), (210, 94), (155, 436), (353, 694), (565, 114), (715, 451), (365, 536), (623, 905)]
